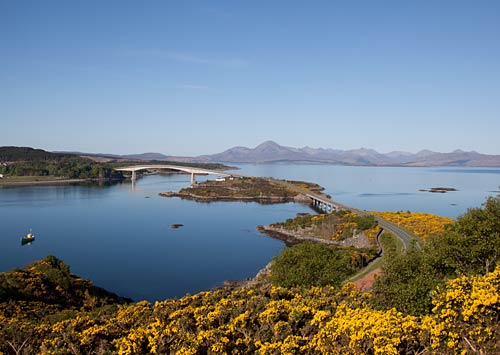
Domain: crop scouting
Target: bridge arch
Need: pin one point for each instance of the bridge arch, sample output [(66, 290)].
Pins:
[(188, 169)]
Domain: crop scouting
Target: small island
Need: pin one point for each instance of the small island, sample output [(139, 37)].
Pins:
[(440, 190), (257, 189)]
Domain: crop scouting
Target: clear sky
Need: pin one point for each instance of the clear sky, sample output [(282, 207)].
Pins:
[(195, 77)]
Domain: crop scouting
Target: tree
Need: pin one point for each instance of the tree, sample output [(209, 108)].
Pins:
[(407, 283), (478, 233), (309, 264)]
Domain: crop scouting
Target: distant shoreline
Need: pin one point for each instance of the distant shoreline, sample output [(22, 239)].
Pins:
[(48, 182), (261, 199)]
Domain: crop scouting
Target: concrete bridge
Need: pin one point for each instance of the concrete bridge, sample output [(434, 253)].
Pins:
[(323, 204), (188, 169)]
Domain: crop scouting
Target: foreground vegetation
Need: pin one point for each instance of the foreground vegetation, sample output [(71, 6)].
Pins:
[(312, 264), (274, 320), (441, 299)]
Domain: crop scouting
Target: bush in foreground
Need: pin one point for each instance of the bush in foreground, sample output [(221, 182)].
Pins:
[(310, 264)]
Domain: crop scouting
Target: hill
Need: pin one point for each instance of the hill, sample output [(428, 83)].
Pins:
[(49, 284), (26, 161), (14, 154)]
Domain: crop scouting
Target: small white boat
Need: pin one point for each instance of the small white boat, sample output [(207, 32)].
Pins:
[(28, 238)]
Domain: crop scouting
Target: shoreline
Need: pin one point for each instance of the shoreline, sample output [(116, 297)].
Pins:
[(292, 238), (260, 199), (52, 182)]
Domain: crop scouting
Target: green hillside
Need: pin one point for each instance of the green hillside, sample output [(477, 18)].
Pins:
[(25, 161)]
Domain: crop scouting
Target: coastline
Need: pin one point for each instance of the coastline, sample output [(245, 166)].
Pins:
[(292, 238), (51, 182), (260, 199)]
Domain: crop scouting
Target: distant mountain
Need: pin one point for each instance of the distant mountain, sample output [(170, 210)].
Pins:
[(266, 152), (271, 152), (145, 156)]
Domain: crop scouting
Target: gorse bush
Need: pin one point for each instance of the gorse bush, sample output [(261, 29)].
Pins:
[(274, 320), (421, 224)]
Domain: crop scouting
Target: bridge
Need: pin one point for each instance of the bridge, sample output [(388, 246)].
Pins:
[(188, 169), (321, 202)]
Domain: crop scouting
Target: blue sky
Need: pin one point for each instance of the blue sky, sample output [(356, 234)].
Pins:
[(195, 77)]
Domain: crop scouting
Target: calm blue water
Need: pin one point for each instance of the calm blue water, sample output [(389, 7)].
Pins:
[(120, 237), (393, 188), (122, 240)]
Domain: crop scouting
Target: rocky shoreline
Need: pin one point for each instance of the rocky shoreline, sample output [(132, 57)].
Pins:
[(291, 238), (247, 189), (260, 199)]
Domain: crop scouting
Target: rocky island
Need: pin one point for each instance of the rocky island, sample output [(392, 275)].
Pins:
[(440, 190), (258, 189)]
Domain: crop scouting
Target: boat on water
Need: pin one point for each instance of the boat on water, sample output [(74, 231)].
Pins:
[(28, 238)]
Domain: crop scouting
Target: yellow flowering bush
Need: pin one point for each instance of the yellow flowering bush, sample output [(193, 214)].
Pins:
[(419, 223), (466, 315)]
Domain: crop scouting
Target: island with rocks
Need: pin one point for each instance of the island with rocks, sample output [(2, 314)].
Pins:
[(257, 189)]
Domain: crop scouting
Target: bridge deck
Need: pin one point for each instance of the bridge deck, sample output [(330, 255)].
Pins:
[(188, 169)]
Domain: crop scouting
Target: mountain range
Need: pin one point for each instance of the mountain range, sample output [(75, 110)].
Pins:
[(271, 152)]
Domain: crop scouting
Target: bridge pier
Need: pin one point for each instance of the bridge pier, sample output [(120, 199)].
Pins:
[(193, 179), (322, 206), (134, 175)]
